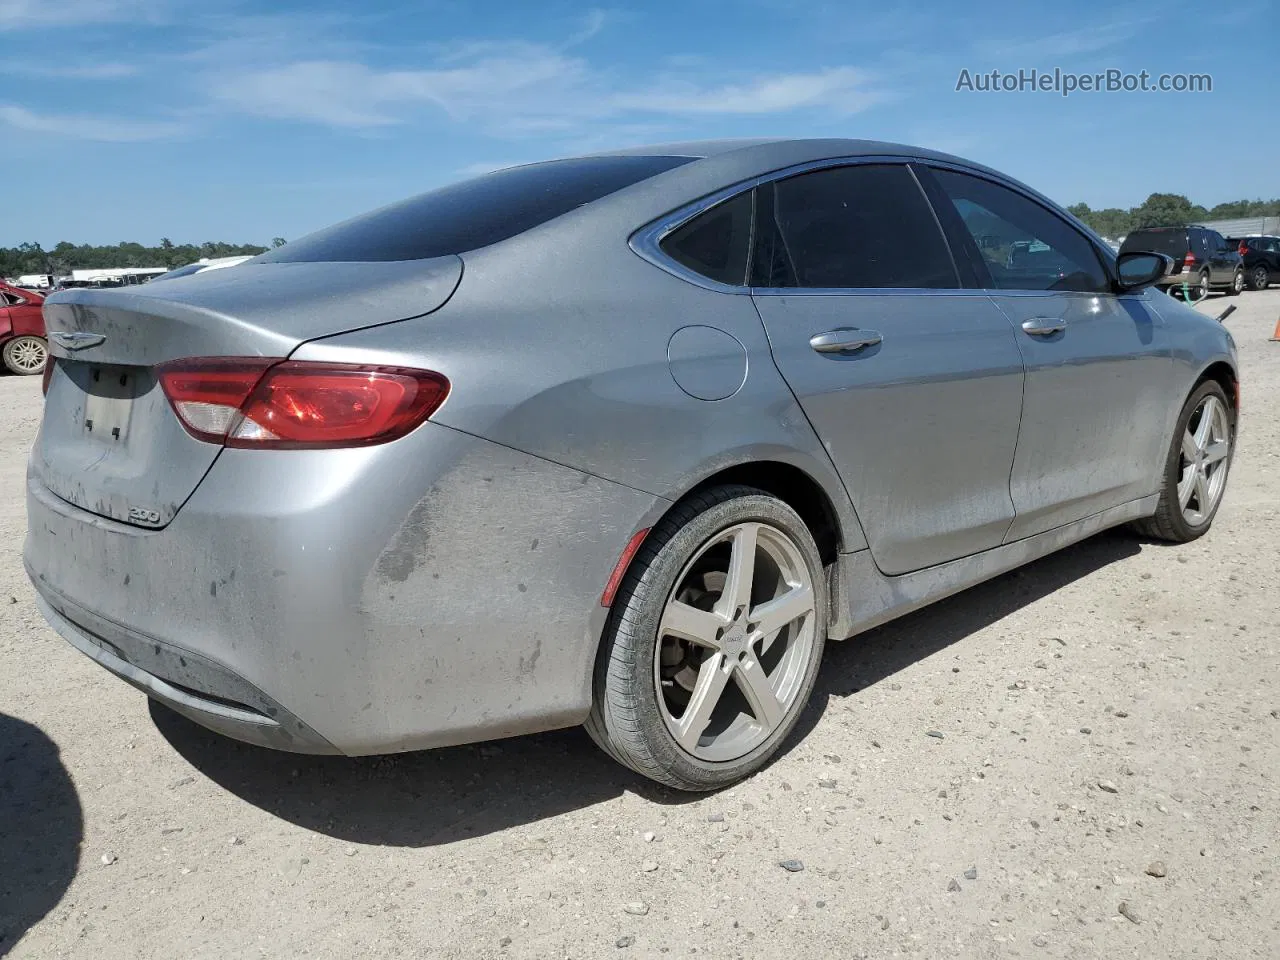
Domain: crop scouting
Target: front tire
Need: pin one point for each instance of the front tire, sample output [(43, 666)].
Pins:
[(1237, 284), (1195, 472), (713, 643), (25, 356)]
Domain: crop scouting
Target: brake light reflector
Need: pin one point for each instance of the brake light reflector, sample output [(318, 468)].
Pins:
[(297, 404), (620, 568)]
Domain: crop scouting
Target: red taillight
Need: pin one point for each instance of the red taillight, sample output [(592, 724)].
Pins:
[(295, 404), (1243, 249), (1190, 261), (47, 375)]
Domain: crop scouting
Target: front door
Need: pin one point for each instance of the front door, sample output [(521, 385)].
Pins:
[(1097, 364), (913, 384)]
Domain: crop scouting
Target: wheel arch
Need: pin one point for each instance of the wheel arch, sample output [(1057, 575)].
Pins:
[(794, 487), (1225, 375)]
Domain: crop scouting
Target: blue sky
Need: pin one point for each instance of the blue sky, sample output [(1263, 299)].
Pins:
[(236, 121)]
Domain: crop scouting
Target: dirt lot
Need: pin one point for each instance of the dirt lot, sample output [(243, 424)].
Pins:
[(1108, 708)]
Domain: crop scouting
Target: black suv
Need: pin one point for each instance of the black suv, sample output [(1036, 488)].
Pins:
[(1261, 259), (1203, 260)]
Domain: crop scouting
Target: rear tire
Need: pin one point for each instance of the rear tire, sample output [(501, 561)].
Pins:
[(1259, 277), (690, 707), (1187, 505), (25, 356)]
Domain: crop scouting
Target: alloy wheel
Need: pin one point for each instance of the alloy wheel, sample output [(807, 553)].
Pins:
[(1206, 445), (1237, 282), (735, 642), (28, 354), (1260, 278)]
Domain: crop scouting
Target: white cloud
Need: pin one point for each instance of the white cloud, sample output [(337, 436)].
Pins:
[(87, 71), (1065, 44), (98, 128), (594, 21), (349, 94), (841, 89), (69, 14), (522, 90)]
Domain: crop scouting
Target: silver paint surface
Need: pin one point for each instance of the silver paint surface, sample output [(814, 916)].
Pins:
[(446, 587)]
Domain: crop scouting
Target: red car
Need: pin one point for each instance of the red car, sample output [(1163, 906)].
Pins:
[(22, 339)]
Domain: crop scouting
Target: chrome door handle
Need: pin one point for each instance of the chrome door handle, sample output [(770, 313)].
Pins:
[(844, 340), (1043, 326)]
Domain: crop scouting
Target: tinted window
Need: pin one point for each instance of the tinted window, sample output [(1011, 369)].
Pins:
[(1174, 243), (715, 243), (847, 227), (1024, 245), (472, 214)]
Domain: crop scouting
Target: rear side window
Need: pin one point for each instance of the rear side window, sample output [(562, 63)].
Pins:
[(474, 213), (1171, 242), (860, 226), (716, 242)]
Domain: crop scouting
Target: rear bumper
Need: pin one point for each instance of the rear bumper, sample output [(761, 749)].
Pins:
[(191, 684), (436, 590), (1190, 277)]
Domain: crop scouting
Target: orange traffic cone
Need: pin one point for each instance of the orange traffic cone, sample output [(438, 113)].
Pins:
[(1275, 337)]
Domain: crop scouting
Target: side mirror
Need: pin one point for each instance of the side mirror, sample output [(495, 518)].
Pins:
[(1136, 270)]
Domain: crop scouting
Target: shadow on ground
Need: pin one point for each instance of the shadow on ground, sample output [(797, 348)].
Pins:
[(40, 829), (441, 796)]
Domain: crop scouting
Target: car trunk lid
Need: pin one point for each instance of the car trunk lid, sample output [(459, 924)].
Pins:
[(111, 444)]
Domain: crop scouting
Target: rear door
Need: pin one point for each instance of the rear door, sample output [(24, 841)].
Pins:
[(1222, 257), (912, 382), (1097, 385)]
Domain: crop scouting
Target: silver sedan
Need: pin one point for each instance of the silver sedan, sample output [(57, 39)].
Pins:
[(619, 441)]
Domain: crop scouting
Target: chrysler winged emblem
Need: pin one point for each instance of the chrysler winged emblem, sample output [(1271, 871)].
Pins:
[(77, 340)]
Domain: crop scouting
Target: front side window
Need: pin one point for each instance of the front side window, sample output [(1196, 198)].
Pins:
[(860, 226), (1024, 245), (716, 242)]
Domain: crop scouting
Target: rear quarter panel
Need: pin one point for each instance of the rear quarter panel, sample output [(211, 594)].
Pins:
[(556, 344), (27, 320)]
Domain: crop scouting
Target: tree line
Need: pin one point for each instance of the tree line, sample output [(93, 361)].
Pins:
[(27, 258), (1158, 210), (1168, 210)]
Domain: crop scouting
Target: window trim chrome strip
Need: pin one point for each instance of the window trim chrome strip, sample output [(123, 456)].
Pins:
[(646, 241)]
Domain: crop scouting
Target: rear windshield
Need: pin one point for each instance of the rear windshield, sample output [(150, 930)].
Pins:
[(474, 213), (1170, 242)]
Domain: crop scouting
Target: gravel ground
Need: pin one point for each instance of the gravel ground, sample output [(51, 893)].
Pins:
[(1105, 785)]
